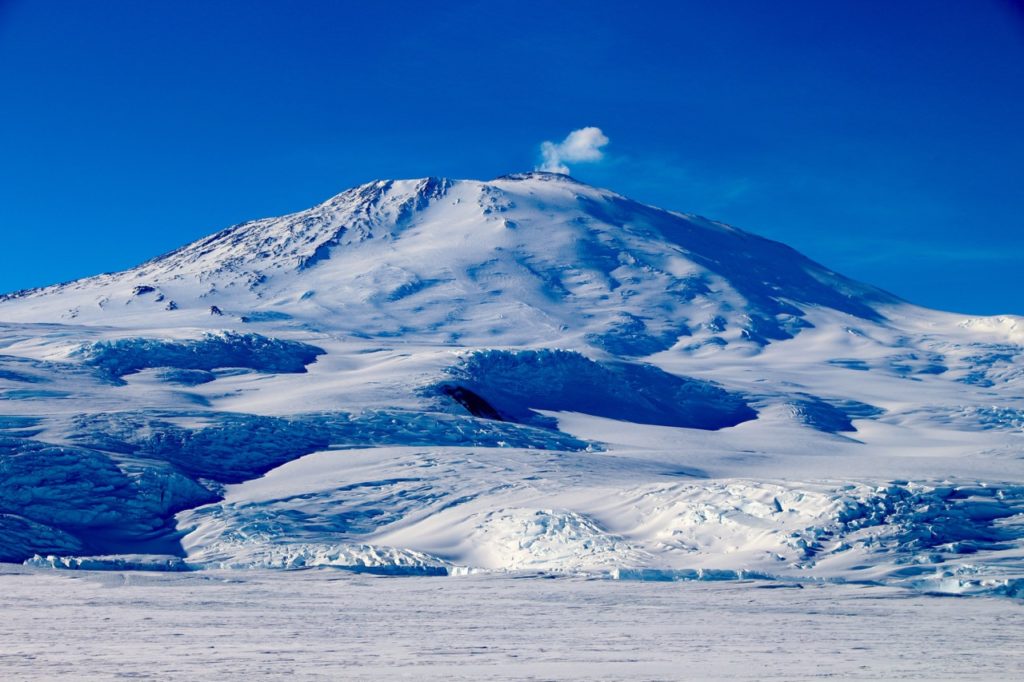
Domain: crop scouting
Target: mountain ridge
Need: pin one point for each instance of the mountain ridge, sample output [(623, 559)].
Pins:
[(607, 249)]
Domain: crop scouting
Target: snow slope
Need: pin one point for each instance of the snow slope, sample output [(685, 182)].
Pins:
[(528, 374)]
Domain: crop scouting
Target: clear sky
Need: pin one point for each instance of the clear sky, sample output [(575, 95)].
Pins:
[(884, 139)]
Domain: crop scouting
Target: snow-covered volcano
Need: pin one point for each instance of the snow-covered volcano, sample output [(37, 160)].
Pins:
[(530, 373), (525, 259)]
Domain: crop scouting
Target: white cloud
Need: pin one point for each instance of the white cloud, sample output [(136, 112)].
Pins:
[(579, 145)]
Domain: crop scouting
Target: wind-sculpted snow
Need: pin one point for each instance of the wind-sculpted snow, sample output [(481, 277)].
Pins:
[(213, 351), (513, 539), (311, 508), (518, 539), (993, 417), (113, 562), (20, 370), (831, 417), (62, 486), (513, 384), (953, 538), (224, 447), (758, 268), (630, 336), (244, 551), (232, 447), (115, 488), (25, 427), (279, 529), (22, 374), (187, 377), (974, 417), (324, 528), (992, 365), (948, 519), (83, 499), (469, 510), (23, 538)]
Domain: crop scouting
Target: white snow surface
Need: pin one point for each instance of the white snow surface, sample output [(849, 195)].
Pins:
[(329, 625), (429, 377)]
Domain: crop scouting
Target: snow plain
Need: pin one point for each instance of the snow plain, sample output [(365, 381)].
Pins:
[(504, 380), (327, 625)]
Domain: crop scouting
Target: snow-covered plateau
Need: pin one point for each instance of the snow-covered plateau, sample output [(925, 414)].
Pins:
[(522, 377)]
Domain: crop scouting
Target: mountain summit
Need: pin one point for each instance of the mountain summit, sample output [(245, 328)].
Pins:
[(526, 258)]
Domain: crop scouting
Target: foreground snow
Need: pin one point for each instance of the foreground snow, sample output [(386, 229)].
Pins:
[(321, 625)]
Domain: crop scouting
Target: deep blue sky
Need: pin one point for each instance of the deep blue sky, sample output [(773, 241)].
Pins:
[(885, 139)]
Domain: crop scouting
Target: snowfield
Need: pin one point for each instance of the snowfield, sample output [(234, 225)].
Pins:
[(464, 382), (329, 625)]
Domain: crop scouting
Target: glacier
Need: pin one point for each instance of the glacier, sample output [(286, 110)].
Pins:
[(517, 377)]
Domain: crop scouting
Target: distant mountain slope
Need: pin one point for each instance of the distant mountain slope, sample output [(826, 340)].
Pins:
[(524, 258)]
